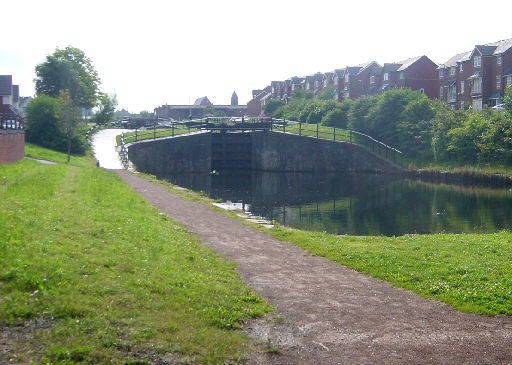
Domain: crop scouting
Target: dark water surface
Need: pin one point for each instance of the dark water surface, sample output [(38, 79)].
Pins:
[(357, 204)]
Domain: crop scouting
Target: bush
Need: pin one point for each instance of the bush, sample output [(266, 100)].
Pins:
[(45, 129)]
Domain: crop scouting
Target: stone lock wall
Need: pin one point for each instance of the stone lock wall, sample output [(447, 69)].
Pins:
[(268, 151), (12, 146)]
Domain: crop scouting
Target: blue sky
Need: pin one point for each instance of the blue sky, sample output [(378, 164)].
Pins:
[(154, 52)]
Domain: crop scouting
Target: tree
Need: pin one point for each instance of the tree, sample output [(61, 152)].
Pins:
[(507, 100), (338, 117), (106, 109), (328, 93), (42, 122), (69, 69), (272, 105), (70, 117)]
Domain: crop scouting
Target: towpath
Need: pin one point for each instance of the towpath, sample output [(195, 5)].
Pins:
[(329, 314)]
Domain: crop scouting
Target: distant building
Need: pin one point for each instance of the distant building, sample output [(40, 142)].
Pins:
[(234, 99), (198, 109), (12, 134)]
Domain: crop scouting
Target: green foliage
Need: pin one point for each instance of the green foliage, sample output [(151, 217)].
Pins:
[(106, 109), (68, 69), (210, 111), (327, 93), (272, 105), (507, 100), (301, 94), (338, 116), (45, 128)]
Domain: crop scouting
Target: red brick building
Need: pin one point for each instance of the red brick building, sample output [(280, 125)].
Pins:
[(477, 78)]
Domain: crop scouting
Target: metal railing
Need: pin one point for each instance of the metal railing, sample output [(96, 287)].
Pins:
[(243, 124)]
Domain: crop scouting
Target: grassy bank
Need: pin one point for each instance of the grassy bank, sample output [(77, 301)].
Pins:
[(96, 275)]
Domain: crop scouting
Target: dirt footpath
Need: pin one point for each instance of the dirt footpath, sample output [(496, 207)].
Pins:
[(330, 314)]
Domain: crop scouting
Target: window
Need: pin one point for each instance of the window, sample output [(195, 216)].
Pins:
[(461, 67), (452, 71), (441, 92), (498, 60), (402, 75), (372, 79), (462, 87), (477, 86), (452, 93), (347, 78), (422, 90), (477, 61), (326, 82), (441, 73), (509, 81), (386, 76), (498, 82)]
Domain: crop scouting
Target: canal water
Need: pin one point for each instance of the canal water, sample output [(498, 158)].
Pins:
[(357, 204)]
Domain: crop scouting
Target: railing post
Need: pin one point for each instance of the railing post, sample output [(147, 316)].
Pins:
[(284, 125), (300, 128), (136, 134), (316, 130), (154, 130), (334, 132), (350, 135)]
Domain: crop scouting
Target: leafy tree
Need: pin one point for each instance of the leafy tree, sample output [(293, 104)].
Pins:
[(360, 112), (42, 122), (45, 128), (272, 105), (338, 117), (507, 100), (465, 141), (69, 69), (327, 93), (301, 94), (106, 109)]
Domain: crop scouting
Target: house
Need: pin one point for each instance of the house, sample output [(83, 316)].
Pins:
[(477, 78), (12, 134), (255, 105), (417, 73)]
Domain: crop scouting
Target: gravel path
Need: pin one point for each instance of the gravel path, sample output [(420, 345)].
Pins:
[(330, 314)]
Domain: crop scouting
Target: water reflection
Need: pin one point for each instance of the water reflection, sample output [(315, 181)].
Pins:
[(357, 204)]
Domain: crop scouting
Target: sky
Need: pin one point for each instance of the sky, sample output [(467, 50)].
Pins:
[(149, 53)]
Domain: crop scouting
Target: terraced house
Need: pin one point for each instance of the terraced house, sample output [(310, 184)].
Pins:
[(477, 78)]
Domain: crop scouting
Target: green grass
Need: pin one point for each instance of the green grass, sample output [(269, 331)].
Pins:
[(471, 272), (115, 280), (34, 151)]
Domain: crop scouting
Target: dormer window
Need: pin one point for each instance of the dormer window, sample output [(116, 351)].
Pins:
[(477, 61), (441, 73), (452, 71), (498, 60)]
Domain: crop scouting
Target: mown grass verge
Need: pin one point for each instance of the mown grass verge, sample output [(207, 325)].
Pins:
[(111, 279), (471, 272)]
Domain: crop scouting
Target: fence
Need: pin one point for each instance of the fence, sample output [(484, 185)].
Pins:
[(243, 124)]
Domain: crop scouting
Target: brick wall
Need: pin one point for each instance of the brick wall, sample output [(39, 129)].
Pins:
[(12, 146)]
